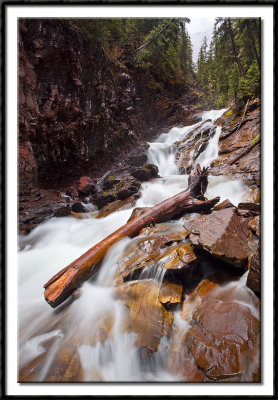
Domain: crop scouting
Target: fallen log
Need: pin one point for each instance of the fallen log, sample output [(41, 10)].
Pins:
[(65, 282)]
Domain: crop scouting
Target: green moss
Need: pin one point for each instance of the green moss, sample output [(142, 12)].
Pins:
[(255, 139), (228, 113), (111, 177)]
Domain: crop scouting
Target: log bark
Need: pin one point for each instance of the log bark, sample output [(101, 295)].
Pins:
[(65, 282)]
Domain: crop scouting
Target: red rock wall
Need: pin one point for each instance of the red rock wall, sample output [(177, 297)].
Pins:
[(76, 110)]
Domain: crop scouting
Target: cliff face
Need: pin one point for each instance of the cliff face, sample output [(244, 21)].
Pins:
[(79, 110)]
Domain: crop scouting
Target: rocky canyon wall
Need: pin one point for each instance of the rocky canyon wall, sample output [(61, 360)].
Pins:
[(79, 110)]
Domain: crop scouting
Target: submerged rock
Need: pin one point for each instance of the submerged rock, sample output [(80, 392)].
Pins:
[(147, 316), (170, 293), (78, 208), (223, 234)]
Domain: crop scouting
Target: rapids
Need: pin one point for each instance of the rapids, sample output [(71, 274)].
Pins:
[(42, 331)]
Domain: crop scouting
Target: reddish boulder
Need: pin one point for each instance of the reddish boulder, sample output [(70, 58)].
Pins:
[(85, 185), (224, 204), (219, 339), (223, 234)]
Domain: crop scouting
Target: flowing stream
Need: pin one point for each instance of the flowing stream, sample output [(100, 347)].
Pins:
[(57, 242)]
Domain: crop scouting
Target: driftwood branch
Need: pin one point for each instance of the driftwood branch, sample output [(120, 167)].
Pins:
[(65, 282)]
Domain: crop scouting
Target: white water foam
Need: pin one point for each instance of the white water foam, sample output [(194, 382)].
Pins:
[(55, 243)]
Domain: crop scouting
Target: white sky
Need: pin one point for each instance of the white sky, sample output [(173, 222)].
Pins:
[(198, 28)]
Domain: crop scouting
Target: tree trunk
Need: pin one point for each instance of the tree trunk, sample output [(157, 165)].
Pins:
[(253, 43), (234, 47), (65, 282)]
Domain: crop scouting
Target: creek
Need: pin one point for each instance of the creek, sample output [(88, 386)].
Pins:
[(58, 241)]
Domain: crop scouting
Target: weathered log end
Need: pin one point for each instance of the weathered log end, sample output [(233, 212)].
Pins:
[(57, 290), (198, 182)]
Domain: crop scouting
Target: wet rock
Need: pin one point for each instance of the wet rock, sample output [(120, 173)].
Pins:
[(39, 206), (116, 206), (137, 160), (178, 258), (251, 208), (116, 189), (85, 185), (189, 149), (147, 316), (254, 224), (170, 293), (236, 136), (253, 196), (146, 172), (160, 248), (136, 212), (72, 192), (67, 366), (78, 208), (254, 274), (223, 234), (224, 204), (127, 187), (84, 215), (63, 211), (219, 337)]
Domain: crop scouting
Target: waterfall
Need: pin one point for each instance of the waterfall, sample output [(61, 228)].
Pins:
[(43, 332)]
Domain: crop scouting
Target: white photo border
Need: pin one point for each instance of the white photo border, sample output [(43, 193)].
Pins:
[(172, 389)]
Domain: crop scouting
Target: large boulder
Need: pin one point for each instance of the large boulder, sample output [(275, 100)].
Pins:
[(218, 337), (122, 183), (223, 234), (145, 172)]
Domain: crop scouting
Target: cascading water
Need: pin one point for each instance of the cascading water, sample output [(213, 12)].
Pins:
[(55, 243)]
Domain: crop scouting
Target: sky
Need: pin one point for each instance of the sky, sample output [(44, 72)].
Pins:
[(198, 28)]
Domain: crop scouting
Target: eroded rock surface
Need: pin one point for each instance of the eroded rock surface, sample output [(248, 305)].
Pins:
[(156, 251), (223, 234), (147, 316), (219, 339)]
